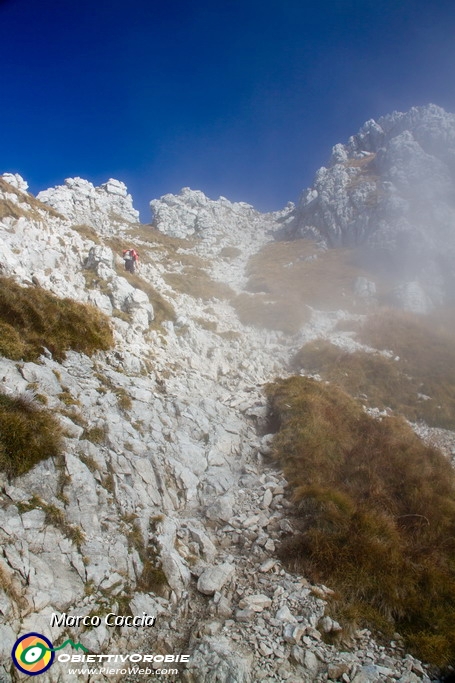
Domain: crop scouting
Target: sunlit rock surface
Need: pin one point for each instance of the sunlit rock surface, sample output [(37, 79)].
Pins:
[(102, 207)]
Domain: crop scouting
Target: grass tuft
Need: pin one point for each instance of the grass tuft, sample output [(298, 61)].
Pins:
[(28, 434), (31, 318)]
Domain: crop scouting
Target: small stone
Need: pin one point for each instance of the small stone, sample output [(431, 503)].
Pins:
[(267, 565), (367, 674), (214, 578), (267, 499), (245, 615), (409, 677), (223, 608), (257, 602), (251, 521), (337, 669), (265, 649), (212, 628), (297, 654), (293, 634), (285, 614), (311, 663)]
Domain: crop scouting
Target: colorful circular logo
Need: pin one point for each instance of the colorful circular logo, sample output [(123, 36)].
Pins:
[(32, 654)]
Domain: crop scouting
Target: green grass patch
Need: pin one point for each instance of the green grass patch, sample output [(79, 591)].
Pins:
[(31, 318), (375, 511), (28, 434)]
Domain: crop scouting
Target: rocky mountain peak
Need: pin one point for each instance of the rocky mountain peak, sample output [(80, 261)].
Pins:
[(103, 207), (16, 181), (391, 190)]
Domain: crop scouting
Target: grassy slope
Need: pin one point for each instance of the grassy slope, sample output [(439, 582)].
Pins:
[(376, 513)]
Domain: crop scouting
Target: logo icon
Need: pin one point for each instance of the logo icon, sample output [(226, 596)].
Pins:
[(33, 654)]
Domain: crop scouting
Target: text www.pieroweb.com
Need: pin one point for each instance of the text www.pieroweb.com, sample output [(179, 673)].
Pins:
[(133, 670)]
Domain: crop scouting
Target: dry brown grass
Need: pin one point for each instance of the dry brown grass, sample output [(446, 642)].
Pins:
[(363, 162), (162, 308), (87, 232), (418, 381), (31, 318), (147, 233), (169, 250), (28, 205), (196, 282), (367, 173), (375, 513), (230, 252), (28, 434), (423, 340), (290, 276), (206, 324), (263, 310)]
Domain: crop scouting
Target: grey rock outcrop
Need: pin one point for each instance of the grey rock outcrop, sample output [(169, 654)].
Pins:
[(192, 213)]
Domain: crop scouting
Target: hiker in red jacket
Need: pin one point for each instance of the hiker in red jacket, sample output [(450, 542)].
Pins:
[(131, 258)]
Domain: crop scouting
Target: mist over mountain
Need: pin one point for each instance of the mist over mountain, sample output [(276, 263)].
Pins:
[(391, 191)]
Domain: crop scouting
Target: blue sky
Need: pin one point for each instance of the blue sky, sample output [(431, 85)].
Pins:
[(239, 98)]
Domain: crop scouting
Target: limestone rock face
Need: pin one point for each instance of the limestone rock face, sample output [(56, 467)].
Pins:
[(391, 190), (103, 207)]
